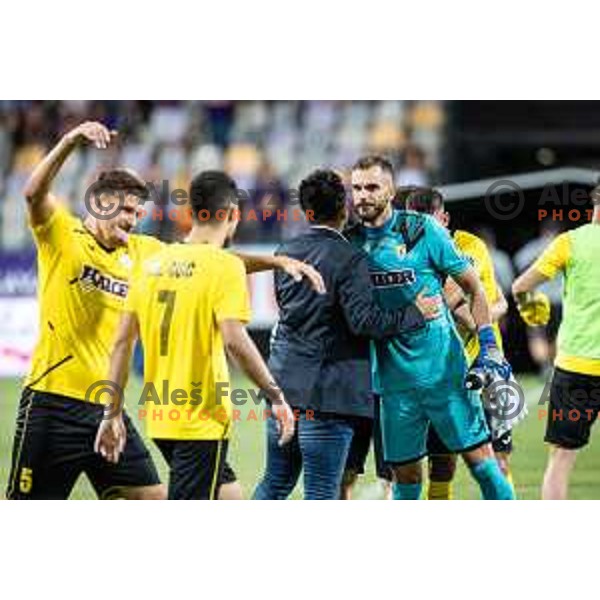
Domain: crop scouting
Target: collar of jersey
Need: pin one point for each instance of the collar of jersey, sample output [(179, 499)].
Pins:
[(327, 228), (98, 242), (385, 228)]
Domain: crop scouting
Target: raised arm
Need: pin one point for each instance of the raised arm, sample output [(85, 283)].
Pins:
[(40, 201)]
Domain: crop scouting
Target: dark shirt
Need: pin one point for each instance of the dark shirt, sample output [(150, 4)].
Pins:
[(320, 346)]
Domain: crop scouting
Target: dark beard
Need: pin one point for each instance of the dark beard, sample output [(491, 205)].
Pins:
[(374, 214)]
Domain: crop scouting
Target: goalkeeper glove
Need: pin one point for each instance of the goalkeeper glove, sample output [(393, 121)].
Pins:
[(534, 308), (490, 363)]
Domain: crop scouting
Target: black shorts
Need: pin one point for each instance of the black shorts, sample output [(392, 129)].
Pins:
[(195, 467), (227, 474), (54, 444), (573, 408), (365, 430)]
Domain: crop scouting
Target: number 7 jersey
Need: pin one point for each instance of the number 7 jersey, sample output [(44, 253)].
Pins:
[(179, 296)]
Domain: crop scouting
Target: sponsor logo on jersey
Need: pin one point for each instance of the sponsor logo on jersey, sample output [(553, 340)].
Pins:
[(93, 278), (393, 278)]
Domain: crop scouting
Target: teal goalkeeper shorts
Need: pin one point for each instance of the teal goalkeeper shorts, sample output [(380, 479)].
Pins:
[(455, 413)]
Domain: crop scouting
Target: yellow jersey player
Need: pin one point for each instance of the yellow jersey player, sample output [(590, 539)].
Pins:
[(442, 463), (189, 304), (83, 269), (574, 399)]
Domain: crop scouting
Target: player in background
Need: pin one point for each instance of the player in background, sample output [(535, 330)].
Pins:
[(574, 401), (83, 271), (422, 378), (442, 463), (189, 304), (541, 341)]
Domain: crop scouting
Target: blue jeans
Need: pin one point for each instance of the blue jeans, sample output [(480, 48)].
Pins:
[(320, 446)]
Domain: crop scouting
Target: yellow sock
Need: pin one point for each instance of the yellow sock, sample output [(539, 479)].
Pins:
[(439, 490), (509, 478)]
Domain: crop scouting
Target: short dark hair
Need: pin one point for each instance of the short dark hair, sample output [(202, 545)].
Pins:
[(323, 193), (120, 180), (424, 200), (402, 193), (373, 160), (212, 191)]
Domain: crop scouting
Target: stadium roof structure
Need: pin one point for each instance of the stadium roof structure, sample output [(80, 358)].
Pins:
[(524, 181)]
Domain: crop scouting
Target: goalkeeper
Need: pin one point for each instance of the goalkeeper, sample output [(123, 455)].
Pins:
[(442, 462), (575, 389), (421, 375)]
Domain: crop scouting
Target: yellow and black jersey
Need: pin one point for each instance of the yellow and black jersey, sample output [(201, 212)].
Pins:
[(180, 296), (476, 251), (82, 288)]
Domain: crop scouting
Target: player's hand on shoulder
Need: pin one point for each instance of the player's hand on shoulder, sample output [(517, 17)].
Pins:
[(300, 270), (111, 438), (91, 132)]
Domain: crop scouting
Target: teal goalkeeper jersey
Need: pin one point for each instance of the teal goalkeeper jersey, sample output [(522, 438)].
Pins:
[(408, 254)]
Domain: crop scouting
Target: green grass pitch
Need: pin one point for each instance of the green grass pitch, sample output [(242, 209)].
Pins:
[(247, 452)]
